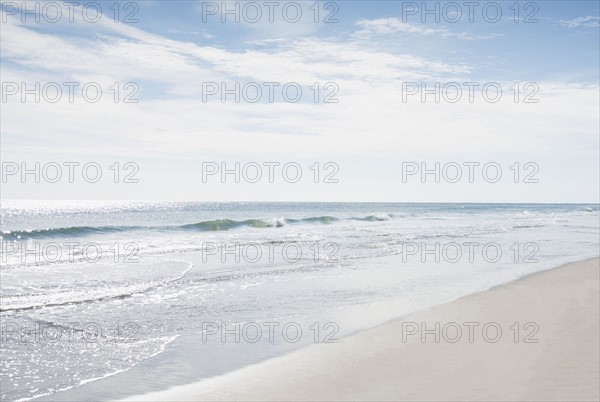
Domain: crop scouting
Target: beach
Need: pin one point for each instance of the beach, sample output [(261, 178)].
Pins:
[(553, 355), (299, 201)]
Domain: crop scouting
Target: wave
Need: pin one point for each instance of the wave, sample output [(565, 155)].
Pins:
[(315, 219), (227, 224), (532, 225), (64, 232), (89, 294), (375, 218), (209, 225)]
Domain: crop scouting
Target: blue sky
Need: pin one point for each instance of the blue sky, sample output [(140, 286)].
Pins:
[(369, 53), (523, 48)]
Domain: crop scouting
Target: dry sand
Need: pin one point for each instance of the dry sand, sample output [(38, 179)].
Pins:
[(562, 305)]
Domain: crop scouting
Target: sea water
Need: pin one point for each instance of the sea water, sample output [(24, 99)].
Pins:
[(145, 295)]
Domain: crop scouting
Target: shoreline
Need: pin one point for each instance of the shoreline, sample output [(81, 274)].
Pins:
[(551, 354)]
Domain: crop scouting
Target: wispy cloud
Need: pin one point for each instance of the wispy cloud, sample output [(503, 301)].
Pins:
[(183, 64), (588, 21), (386, 26), (204, 35)]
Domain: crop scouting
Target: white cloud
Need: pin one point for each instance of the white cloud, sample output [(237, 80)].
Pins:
[(204, 35), (386, 26), (182, 64), (588, 21), (370, 121)]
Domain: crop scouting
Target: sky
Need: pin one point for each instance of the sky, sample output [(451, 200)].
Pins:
[(360, 105)]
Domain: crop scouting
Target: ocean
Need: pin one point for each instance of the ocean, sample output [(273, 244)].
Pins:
[(146, 295)]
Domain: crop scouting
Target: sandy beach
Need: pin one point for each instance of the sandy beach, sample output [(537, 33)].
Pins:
[(533, 339)]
